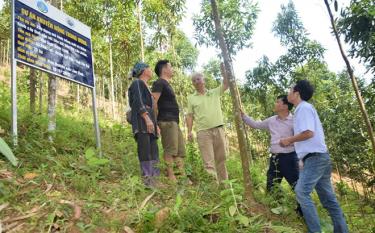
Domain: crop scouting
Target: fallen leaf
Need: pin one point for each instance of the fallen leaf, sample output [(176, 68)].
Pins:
[(128, 230), (49, 186), (4, 174), (3, 206), (54, 194), (59, 214), (161, 216), (30, 175), (147, 199)]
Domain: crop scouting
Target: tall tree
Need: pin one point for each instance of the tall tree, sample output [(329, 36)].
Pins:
[(357, 25), (228, 71), (289, 28), (33, 83), (238, 18), (5, 28), (352, 78)]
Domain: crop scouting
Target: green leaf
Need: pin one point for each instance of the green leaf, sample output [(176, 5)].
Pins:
[(178, 202), (283, 229), (232, 210), (7, 152), (90, 153), (244, 220), (97, 162), (277, 210)]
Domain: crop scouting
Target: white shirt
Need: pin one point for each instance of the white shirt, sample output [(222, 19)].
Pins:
[(278, 128), (306, 118)]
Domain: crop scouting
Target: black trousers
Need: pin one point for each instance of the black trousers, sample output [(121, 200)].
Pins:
[(147, 147), (283, 165), (148, 154)]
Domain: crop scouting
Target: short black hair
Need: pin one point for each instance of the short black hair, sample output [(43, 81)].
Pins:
[(284, 98), (159, 66), (305, 89)]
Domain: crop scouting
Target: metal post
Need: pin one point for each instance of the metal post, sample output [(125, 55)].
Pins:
[(94, 107), (96, 121), (14, 82)]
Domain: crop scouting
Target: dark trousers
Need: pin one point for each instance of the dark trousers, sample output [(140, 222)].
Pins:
[(148, 155), (282, 166)]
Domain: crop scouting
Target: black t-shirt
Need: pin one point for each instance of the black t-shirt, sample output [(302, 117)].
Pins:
[(167, 103)]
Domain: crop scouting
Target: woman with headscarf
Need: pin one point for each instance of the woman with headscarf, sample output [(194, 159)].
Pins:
[(143, 122)]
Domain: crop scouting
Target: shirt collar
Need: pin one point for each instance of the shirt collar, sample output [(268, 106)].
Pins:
[(207, 92), (299, 105), (289, 117)]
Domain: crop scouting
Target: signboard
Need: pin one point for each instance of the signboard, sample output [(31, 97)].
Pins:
[(50, 40)]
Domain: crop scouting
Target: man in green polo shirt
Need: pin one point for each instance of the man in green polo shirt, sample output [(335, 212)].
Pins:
[(204, 108)]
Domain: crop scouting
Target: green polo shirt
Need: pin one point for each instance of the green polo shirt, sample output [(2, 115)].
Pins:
[(206, 109)]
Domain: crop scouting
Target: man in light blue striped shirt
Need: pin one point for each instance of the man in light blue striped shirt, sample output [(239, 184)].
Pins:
[(314, 160)]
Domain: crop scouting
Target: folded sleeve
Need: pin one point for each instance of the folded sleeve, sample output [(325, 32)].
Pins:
[(305, 120)]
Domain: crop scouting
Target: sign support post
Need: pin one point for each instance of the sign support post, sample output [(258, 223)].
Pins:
[(96, 121), (14, 84)]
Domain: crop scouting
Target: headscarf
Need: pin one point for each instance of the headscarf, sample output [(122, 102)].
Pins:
[(138, 69)]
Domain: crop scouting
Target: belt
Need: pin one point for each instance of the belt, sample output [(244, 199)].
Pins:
[(283, 154), (309, 155)]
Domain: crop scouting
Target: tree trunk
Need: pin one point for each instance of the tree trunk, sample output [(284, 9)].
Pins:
[(78, 96), (7, 57), (236, 104), (140, 29), (40, 94), (33, 83), (121, 99), (224, 73), (353, 79), (2, 53), (52, 94), (112, 94)]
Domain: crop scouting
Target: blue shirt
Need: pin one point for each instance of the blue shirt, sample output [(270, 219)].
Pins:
[(306, 118)]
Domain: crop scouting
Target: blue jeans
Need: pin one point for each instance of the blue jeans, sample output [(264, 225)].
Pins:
[(316, 173)]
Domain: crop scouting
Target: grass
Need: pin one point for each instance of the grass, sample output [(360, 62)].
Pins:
[(55, 181)]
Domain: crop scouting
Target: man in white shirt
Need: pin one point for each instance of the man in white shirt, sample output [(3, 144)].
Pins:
[(314, 160)]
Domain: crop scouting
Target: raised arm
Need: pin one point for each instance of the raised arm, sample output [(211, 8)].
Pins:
[(225, 77)]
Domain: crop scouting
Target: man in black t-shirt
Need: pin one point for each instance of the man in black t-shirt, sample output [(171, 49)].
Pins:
[(168, 119)]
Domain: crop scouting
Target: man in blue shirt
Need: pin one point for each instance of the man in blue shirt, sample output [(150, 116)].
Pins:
[(314, 161)]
